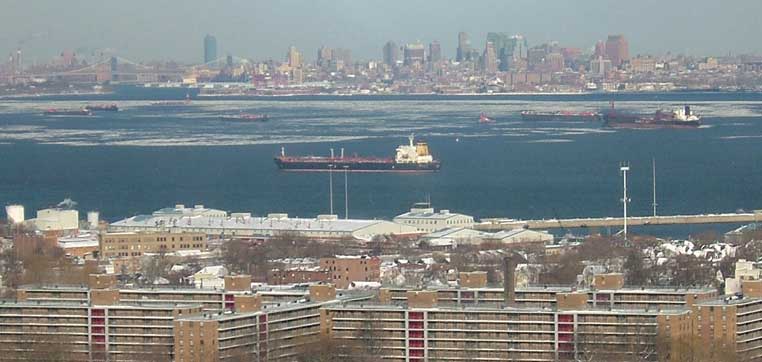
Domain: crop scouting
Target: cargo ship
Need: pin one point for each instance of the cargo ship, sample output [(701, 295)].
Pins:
[(560, 116), (245, 117), (68, 112), (678, 118), (102, 107), (413, 157)]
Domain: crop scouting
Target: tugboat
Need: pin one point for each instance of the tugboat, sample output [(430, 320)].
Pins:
[(246, 117), (413, 157), (678, 118), (484, 119), (68, 112)]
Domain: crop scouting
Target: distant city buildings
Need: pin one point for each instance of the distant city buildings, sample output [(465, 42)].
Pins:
[(509, 64), (210, 49)]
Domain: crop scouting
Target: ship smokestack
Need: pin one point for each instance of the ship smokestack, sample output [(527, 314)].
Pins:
[(283, 151), (331, 152), (509, 281), (342, 152)]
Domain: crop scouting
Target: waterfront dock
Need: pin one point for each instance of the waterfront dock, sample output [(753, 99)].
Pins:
[(494, 224)]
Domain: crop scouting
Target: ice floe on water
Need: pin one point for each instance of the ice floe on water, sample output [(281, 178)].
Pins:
[(139, 124)]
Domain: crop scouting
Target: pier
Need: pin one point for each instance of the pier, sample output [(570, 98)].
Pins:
[(495, 224)]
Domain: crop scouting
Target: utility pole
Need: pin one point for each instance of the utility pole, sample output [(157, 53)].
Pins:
[(624, 167)]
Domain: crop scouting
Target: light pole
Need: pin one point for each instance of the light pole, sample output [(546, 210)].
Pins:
[(346, 193), (330, 182), (330, 186), (624, 167)]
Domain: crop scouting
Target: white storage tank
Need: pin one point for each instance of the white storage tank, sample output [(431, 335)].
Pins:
[(93, 217), (15, 214)]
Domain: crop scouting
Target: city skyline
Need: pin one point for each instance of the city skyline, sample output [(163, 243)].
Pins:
[(265, 31)]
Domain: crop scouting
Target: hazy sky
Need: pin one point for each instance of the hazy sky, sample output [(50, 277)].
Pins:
[(263, 29)]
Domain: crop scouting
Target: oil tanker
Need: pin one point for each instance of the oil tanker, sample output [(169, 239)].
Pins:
[(560, 116), (102, 107), (413, 157), (678, 118)]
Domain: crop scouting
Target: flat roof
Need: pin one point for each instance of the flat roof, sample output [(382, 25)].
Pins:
[(343, 297), (429, 215), (503, 309), (248, 223)]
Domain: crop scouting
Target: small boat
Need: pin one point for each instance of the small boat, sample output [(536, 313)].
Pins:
[(483, 118)]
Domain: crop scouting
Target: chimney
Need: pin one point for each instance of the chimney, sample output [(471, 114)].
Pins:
[(509, 281)]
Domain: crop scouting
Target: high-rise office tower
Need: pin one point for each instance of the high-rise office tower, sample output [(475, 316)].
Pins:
[(600, 50), (391, 53), (414, 54), (617, 50), (294, 57), (520, 46), (503, 48), (435, 52), (490, 58), (210, 48), (464, 47), (324, 56)]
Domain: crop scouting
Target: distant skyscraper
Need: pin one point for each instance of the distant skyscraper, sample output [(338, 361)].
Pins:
[(210, 48), (503, 47), (600, 50), (294, 57), (490, 58), (324, 56), (435, 51), (464, 47), (617, 50), (391, 53), (520, 46), (414, 54)]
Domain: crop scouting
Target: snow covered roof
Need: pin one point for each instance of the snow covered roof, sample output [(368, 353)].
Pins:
[(247, 223)]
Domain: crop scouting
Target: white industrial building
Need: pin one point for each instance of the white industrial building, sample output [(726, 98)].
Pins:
[(423, 217), (14, 214), (56, 220), (520, 236), (452, 237), (218, 223)]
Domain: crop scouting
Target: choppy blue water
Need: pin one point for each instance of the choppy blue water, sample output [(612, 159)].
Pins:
[(146, 157)]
